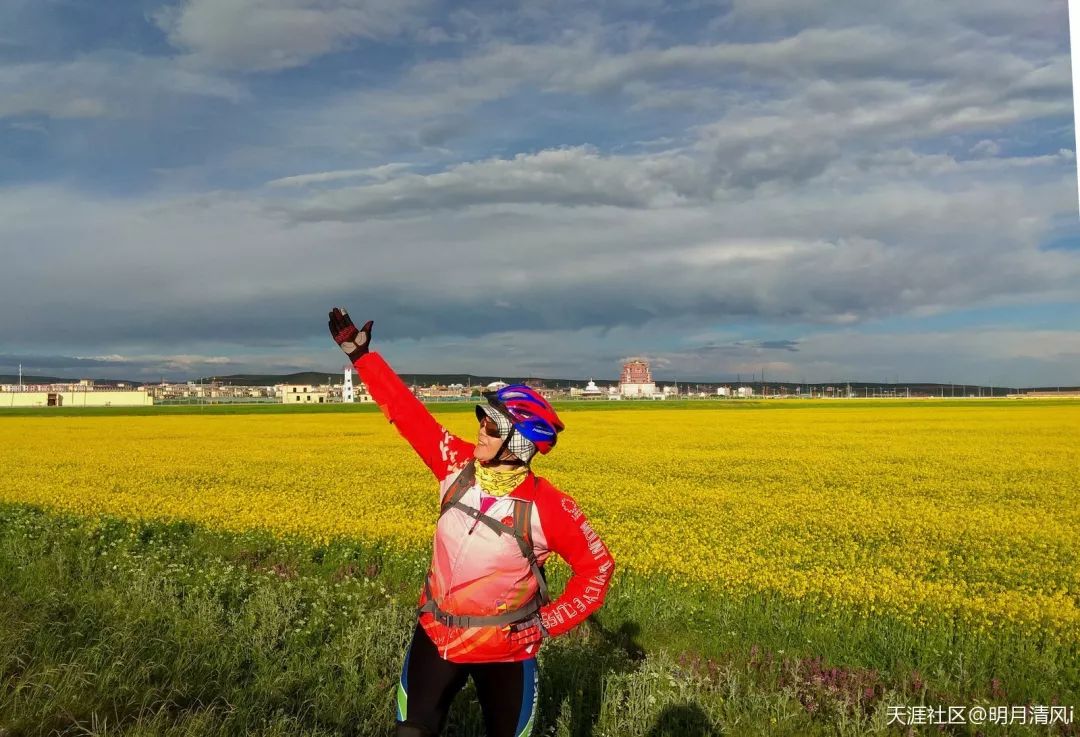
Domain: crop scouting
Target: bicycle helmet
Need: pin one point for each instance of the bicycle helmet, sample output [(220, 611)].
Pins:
[(527, 422)]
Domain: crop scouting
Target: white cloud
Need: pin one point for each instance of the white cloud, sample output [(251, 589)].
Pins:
[(572, 177), (986, 147), (783, 108), (378, 173), (103, 85), (266, 35), (861, 52), (179, 360), (1035, 18), (580, 177)]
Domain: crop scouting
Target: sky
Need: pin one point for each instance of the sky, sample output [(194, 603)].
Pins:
[(820, 190)]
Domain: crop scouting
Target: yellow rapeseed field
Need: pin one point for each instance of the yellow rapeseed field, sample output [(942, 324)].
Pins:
[(968, 512)]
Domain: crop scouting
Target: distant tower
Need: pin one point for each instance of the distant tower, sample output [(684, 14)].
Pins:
[(347, 387), (636, 372), (636, 379)]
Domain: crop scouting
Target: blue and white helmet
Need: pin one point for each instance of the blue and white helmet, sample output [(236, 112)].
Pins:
[(523, 415)]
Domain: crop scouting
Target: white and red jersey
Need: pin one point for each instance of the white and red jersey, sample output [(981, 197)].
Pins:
[(474, 570)]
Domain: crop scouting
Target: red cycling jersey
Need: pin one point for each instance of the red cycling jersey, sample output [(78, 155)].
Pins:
[(475, 571)]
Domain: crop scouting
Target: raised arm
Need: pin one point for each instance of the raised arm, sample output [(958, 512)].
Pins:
[(441, 451)]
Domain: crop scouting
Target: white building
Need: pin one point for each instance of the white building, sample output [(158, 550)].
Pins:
[(350, 392), (86, 396), (347, 395), (723, 391), (744, 392), (301, 394), (591, 391)]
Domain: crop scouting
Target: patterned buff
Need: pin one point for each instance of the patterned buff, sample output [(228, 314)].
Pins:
[(499, 483), (519, 445)]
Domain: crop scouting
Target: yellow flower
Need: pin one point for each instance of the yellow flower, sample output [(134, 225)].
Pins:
[(971, 514)]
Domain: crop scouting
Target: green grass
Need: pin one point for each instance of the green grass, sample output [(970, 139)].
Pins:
[(115, 628)]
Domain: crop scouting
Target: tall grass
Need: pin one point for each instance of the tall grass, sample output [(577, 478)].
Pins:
[(110, 628)]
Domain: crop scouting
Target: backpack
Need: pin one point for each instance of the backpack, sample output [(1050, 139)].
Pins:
[(522, 532)]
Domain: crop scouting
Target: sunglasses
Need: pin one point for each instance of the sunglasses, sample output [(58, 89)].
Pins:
[(489, 427)]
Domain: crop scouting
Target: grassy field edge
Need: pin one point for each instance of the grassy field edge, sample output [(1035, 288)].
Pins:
[(172, 628)]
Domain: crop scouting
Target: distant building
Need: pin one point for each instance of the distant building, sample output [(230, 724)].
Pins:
[(723, 391), (454, 391), (82, 395), (301, 394), (636, 380), (347, 395), (591, 391)]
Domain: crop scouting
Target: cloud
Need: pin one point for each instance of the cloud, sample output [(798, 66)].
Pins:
[(868, 52), (983, 355), (1038, 18), (582, 177), (883, 249), (53, 361), (572, 177), (751, 113), (382, 172), (979, 354), (115, 366), (599, 284), (791, 169), (104, 85), (174, 367), (267, 35), (781, 345), (797, 138)]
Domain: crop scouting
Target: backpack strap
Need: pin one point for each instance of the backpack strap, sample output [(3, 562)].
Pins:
[(471, 620), (498, 527), (459, 486), (523, 535)]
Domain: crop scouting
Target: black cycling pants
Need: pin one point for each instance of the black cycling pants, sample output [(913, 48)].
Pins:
[(506, 691)]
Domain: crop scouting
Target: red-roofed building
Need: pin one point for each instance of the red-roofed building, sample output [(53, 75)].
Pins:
[(636, 379)]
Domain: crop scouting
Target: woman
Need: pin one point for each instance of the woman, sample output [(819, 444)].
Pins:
[(484, 609)]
